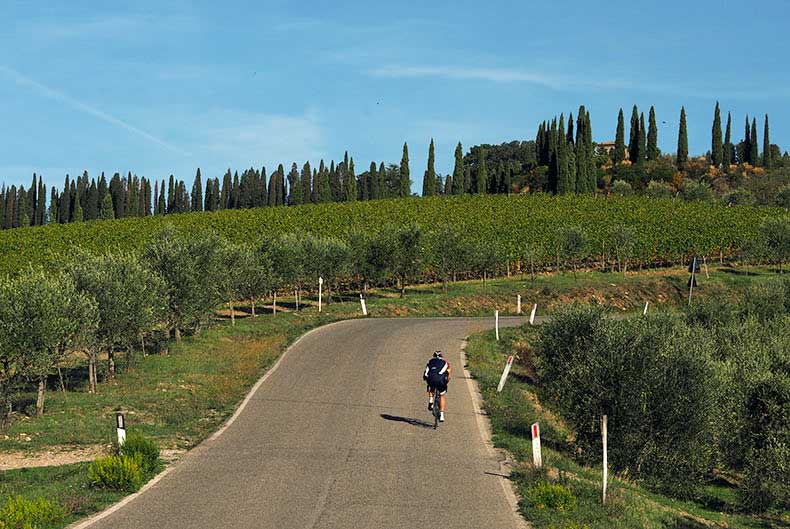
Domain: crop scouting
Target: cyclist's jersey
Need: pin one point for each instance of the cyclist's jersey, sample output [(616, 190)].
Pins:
[(437, 372)]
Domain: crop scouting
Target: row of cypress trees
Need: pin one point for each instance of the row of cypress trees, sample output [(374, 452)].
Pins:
[(569, 157)]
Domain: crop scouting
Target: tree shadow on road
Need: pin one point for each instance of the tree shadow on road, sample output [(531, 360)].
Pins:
[(407, 420)]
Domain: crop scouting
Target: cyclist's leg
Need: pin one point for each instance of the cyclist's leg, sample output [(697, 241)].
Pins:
[(442, 393)]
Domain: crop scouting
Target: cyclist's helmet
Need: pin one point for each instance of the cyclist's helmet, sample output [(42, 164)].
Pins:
[(437, 354)]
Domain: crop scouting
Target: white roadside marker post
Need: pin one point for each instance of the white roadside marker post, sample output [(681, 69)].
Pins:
[(537, 459), (504, 374), (362, 302), (121, 428), (705, 264), (296, 297), (644, 313), (320, 287), (532, 316), (274, 305), (691, 281), (518, 304), (605, 463), (496, 324)]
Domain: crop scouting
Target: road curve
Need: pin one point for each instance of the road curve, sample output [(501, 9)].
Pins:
[(338, 437)]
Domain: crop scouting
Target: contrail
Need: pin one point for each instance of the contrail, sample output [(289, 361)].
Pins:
[(59, 96)]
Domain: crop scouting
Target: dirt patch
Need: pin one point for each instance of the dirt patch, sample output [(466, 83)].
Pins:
[(62, 455)]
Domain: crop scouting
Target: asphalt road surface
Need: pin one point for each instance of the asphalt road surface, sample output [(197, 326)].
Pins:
[(339, 436)]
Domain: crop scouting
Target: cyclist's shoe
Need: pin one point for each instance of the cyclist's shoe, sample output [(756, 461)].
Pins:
[(430, 405), (441, 416)]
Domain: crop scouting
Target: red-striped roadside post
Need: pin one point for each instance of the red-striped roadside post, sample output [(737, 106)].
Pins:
[(537, 460)]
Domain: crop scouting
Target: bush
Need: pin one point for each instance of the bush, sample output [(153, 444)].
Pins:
[(739, 197), (711, 311), (22, 513), (765, 485), (658, 190), (117, 472), (622, 188), (696, 191), (136, 445), (655, 379), (552, 496), (764, 301)]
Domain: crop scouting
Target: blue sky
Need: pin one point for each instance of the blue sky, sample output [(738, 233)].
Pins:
[(158, 87)]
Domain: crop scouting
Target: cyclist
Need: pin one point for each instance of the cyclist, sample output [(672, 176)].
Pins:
[(437, 374)]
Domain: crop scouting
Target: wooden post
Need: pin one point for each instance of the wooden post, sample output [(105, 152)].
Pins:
[(496, 324), (705, 264), (532, 316), (518, 304), (644, 313), (274, 305), (296, 299), (605, 462)]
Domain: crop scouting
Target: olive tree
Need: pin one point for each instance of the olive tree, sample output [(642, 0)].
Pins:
[(408, 256), (130, 300), (193, 272), (622, 239), (776, 233), (572, 243), (44, 317)]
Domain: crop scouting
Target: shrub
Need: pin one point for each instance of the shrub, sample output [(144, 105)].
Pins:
[(765, 485), (711, 311), (696, 191), (653, 377), (621, 188), (658, 190), (739, 197), (551, 496), (764, 301), (22, 513), (135, 445), (117, 472)]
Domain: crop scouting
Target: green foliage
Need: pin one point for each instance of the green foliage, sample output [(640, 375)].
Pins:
[(664, 230), (683, 142), (551, 496), (658, 190), (117, 472), (622, 188), (137, 446), (691, 190), (22, 513), (776, 232), (654, 379)]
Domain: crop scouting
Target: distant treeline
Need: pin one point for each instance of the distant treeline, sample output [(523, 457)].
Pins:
[(562, 159)]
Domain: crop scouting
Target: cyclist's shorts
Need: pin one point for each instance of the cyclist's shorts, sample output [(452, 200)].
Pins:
[(440, 386)]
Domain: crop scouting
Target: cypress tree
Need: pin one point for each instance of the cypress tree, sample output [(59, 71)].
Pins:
[(132, 200), (747, 144), (642, 139), (563, 176), (146, 198), (307, 183), (458, 171), (262, 194), (208, 196), (429, 182), (382, 174), (33, 200), (295, 190), (326, 182), (171, 193), (162, 202), (3, 198), (716, 146), (553, 173), (197, 192), (448, 185), (652, 137), (351, 182), (569, 137), (20, 209), (754, 155), (107, 212), (619, 140), (334, 182), (91, 212), (766, 146), (53, 206), (78, 215), (374, 181), (64, 208), (404, 189), (728, 154), (580, 174), (633, 143), (683, 141), (482, 174), (235, 193), (42, 202), (497, 182), (281, 190)]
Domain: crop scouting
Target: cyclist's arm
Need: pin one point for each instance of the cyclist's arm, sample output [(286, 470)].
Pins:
[(449, 372)]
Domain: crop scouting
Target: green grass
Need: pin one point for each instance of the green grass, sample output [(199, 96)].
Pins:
[(180, 398), (628, 506)]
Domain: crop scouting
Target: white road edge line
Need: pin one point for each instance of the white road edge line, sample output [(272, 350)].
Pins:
[(156, 479), (484, 427)]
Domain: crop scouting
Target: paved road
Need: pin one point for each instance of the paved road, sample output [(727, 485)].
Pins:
[(338, 437)]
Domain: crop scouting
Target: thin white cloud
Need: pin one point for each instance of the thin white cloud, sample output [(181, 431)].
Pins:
[(113, 26), (497, 75), (56, 95), (238, 139)]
